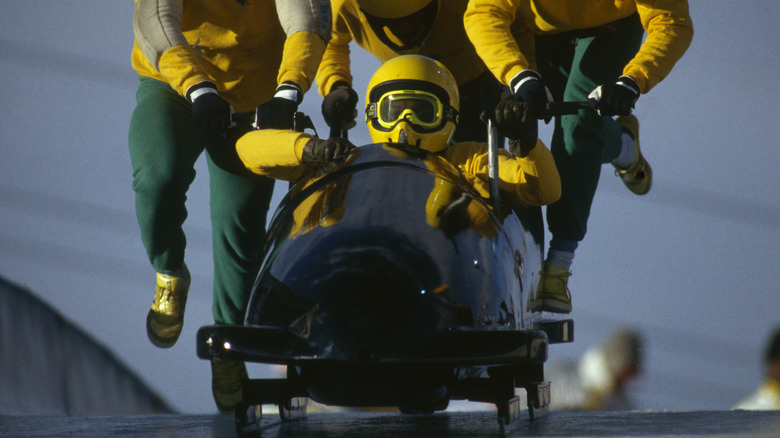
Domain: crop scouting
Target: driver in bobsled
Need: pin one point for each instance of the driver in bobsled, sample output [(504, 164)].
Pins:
[(414, 99)]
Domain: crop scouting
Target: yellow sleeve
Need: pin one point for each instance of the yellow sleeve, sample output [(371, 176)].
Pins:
[(274, 153), (161, 49), (181, 68), (535, 178), (335, 65), (532, 180), (669, 33), (525, 39), (491, 27), (301, 57)]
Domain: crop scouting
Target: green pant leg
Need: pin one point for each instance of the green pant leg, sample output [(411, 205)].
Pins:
[(572, 65), (239, 205), (164, 146)]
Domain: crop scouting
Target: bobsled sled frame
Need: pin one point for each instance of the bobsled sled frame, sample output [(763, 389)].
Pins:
[(511, 359)]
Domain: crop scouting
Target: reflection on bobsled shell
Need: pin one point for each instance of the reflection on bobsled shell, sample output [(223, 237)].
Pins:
[(324, 207), (378, 213), (451, 209), (393, 259), (379, 308), (370, 301), (449, 206), (374, 285)]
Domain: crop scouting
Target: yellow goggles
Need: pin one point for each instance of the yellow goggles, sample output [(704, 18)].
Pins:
[(419, 108)]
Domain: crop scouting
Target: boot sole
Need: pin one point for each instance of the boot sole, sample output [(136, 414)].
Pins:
[(159, 341)]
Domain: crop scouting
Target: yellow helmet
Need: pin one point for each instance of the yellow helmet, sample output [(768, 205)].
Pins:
[(412, 99), (400, 24)]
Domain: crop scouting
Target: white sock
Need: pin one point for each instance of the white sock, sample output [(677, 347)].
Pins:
[(627, 153), (560, 258)]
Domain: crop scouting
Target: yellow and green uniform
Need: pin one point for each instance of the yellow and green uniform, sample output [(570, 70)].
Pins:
[(667, 23), (531, 180), (447, 43), (245, 51), (237, 47), (577, 45)]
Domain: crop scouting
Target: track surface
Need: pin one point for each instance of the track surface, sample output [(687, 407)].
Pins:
[(383, 424)]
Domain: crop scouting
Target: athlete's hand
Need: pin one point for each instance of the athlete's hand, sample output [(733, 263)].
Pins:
[(616, 99), (325, 155), (528, 87), (279, 112), (340, 106), (209, 110), (514, 121)]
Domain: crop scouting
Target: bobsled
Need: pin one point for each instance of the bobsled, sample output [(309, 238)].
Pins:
[(392, 281)]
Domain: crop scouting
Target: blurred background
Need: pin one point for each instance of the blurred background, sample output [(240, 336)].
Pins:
[(692, 266)]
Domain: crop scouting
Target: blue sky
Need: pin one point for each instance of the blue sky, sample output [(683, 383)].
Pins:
[(693, 264)]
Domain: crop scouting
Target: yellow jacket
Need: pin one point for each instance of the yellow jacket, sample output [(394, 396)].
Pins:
[(532, 180), (447, 43), (667, 23), (242, 49)]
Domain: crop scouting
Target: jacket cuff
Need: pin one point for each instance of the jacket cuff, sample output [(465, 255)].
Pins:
[(200, 89), (291, 91), (522, 78)]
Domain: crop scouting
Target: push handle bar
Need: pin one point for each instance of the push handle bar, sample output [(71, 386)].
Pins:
[(336, 128), (566, 108)]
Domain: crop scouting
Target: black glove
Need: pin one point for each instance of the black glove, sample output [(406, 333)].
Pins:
[(616, 99), (527, 86), (340, 106), (514, 122), (325, 155), (279, 112), (209, 111)]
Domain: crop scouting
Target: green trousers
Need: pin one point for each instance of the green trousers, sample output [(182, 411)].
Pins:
[(572, 65), (164, 145)]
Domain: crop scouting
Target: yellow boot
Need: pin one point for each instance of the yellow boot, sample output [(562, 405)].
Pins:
[(227, 383), (553, 294), (639, 176), (166, 317)]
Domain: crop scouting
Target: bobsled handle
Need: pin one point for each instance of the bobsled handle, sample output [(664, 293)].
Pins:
[(337, 132), (336, 129), (567, 108), (493, 140), (301, 122)]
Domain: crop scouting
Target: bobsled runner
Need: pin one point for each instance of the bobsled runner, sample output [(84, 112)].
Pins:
[(392, 282)]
